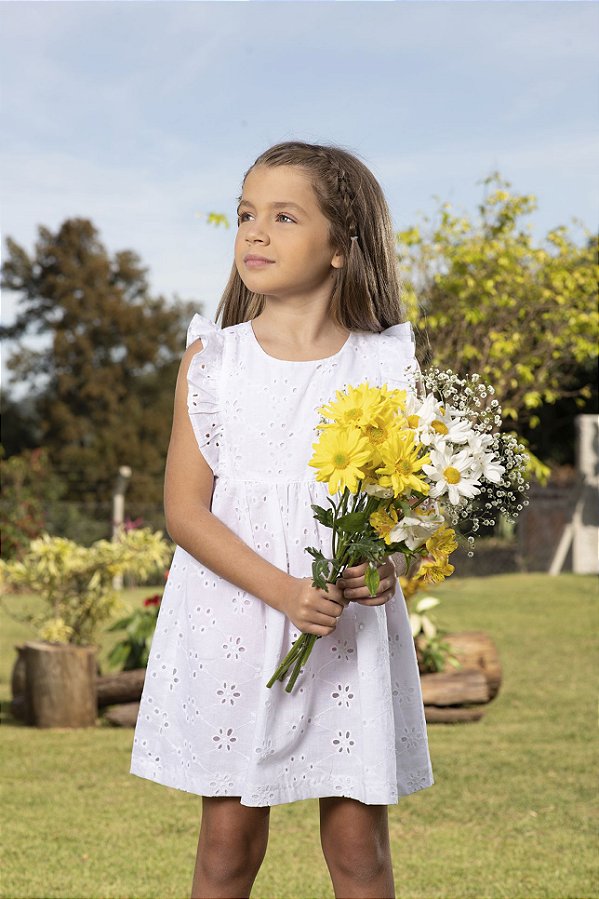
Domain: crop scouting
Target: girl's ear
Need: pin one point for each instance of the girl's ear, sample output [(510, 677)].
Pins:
[(338, 260)]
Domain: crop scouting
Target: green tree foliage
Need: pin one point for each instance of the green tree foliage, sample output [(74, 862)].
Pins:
[(28, 486), (485, 298), (109, 371)]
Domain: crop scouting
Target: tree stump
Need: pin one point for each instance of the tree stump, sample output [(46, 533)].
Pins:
[(60, 684)]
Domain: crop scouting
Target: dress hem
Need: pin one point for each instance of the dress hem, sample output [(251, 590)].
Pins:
[(276, 796)]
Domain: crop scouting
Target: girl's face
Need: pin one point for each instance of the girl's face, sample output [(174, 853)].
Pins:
[(279, 220)]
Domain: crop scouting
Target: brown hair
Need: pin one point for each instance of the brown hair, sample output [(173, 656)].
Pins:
[(366, 292)]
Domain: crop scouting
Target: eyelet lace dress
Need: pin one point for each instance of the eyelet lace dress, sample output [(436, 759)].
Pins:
[(354, 725)]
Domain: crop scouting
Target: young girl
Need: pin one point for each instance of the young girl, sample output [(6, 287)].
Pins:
[(312, 304)]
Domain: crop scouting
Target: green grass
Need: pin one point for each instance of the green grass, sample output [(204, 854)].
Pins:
[(513, 812)]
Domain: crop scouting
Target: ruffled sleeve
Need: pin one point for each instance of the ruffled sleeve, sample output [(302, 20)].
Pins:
[(203, 395), (397, 358)]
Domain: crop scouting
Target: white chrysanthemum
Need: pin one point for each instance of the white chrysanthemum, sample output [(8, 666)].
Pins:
[(415, 529), (447, 427), (452, 474), (480, 442), (421, 412), (485, 463)]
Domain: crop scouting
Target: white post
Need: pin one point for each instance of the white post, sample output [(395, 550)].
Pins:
[(585, 521), (118, 513)]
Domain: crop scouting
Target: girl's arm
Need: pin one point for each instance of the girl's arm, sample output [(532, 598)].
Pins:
[(188, 487)]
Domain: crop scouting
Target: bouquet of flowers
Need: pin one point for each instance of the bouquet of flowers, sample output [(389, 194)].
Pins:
[(405, 469)]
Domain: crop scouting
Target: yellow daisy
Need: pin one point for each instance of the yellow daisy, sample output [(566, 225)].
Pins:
[(358, 406), (401, 463), (340, 457), (378, 430), (396, 397)]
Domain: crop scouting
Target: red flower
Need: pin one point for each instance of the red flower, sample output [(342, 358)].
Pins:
[(153, 600)]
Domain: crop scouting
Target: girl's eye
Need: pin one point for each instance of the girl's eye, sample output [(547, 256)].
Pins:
[(240, 217)]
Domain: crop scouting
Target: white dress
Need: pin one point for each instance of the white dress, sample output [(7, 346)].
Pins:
[(354, 724)]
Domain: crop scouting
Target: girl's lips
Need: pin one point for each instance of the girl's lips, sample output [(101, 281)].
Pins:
[(257, 263)]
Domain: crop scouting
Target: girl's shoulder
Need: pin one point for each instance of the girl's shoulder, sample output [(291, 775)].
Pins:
[(394, 353), (203, 328), (402, 332)]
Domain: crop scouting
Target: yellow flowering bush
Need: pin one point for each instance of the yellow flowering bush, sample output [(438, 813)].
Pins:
[(76, 581)]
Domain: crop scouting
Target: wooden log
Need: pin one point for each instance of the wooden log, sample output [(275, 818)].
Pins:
[(475, 649), (121, 687), (452, 688), (453, 714), (124, 715), (60, 684)]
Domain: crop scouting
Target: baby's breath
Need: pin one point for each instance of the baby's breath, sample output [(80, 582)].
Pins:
[(470, 398)]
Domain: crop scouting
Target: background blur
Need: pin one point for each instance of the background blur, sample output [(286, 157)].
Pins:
[(125, 125), (134, 121), (142, 115)]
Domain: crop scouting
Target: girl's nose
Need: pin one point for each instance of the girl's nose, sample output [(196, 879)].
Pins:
[(255, 231)]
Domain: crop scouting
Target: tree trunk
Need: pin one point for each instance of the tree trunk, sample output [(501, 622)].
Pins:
[(475, 649), (60, 684), (454, 688), (123, 686)]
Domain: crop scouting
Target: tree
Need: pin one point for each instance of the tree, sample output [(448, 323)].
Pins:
[(110, 367), (484, 298)]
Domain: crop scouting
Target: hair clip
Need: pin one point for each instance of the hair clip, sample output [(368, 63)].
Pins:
[(354, 237)]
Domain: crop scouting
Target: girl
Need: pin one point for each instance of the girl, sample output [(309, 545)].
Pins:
[(312, 304)]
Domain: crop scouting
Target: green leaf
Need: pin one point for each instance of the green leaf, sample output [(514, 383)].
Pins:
[(316, 553), (324, 516), (372, 578), (352, 522), (320, 572)]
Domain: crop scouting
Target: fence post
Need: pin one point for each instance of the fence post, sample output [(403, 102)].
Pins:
[(118, 513)]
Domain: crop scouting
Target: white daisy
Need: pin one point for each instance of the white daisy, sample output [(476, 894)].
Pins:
[(421, 412), (447, 428), (483, 462), (452, 474)]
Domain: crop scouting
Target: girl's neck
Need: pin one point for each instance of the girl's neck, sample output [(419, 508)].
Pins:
[(298, 336)]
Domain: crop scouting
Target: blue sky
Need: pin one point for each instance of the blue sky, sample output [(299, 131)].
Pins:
[(144, 115)]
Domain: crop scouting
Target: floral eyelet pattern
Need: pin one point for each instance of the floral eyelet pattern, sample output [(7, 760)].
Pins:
[(207, 724)]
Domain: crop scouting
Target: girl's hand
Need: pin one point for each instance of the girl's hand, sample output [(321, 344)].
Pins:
[(354, 586), (313, 610)]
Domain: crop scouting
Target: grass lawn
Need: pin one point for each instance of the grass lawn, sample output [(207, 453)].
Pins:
[(513, 811)]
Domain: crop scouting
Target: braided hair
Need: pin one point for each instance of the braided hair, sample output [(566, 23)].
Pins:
[(366, 293)]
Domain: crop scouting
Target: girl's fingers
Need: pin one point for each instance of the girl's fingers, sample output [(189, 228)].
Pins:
[(355, 576), (387, 584)]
